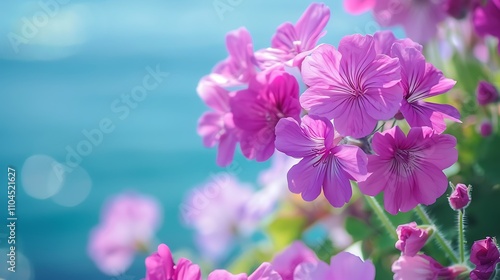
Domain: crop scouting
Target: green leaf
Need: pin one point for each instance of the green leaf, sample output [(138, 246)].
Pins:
[(285, 229), (358, 229)]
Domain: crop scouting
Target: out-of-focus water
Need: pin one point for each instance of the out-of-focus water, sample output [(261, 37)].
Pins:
[(67, 78)]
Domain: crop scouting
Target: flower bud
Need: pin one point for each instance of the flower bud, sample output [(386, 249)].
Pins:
[(485, 255), (411, 238), (485, 128), (486, 93), (459, 197)]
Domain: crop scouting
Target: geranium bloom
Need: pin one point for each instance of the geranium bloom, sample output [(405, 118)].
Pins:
[(485, 255), (423, 267), (129, 221), (358, 6), (353, 85), (264, 272), (411, 238), (216, 210), (407, 12), (409, 168), (272, 95), (421, 80), (217, 127), (160, 266), (291, 43), (487, 19), (286, 261), (324, 163), (341, 265)]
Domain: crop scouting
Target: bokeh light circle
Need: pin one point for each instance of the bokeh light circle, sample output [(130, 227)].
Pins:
[(41, 176), (75, 189)]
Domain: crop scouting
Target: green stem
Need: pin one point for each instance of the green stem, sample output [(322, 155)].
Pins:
[(438, 236), (372, 201), (461, 243)]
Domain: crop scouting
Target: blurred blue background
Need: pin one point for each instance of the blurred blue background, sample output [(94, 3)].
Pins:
[(64, 77)]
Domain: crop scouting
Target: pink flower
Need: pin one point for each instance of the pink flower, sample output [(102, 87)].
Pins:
[(409, 168), (216, 210), (421, 80), (486, 19), (160, 266), (486, 128), (353, 85), (272, 95), (411, 238), (358, 6), (285, 262), (341, 265), (460, 197), (486, 93), (407, 12), (485, 255), (422, 267), (217, 127), (324, 164), (128, 223), (264, 272), (292, 43), (240, 66)]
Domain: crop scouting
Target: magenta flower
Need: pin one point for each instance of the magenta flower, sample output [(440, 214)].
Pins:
[(272, 95), (240, 66), (407, 12), (296, 253), (409, 168), (353, 85), (421, 80), (324, 165), (160, 266), (216, 210), (411, 238), (264, 272), (292, 43), (341, 265), (128, 223), (217, 127), (486, 93), (486, 19), (423, 267), (485, 128), (358, 6), (459, 197), (485, 255)]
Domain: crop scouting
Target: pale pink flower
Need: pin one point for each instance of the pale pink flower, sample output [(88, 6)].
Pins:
[(421, 267), (272, 95), (296, 253), (160, 266), (264, 272), (129, 222), (353, 85), (426, 13), (342, 265), (409, 168), (216, 210), (324, 165), (411, 238), (217, 127), (358, 6), (421, 80), (292, 42)]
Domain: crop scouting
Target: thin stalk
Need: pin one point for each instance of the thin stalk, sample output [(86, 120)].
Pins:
[(438, 235), (461, 242), (372, 201)]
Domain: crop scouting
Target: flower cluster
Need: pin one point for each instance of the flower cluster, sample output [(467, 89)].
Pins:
[(297, 262)]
